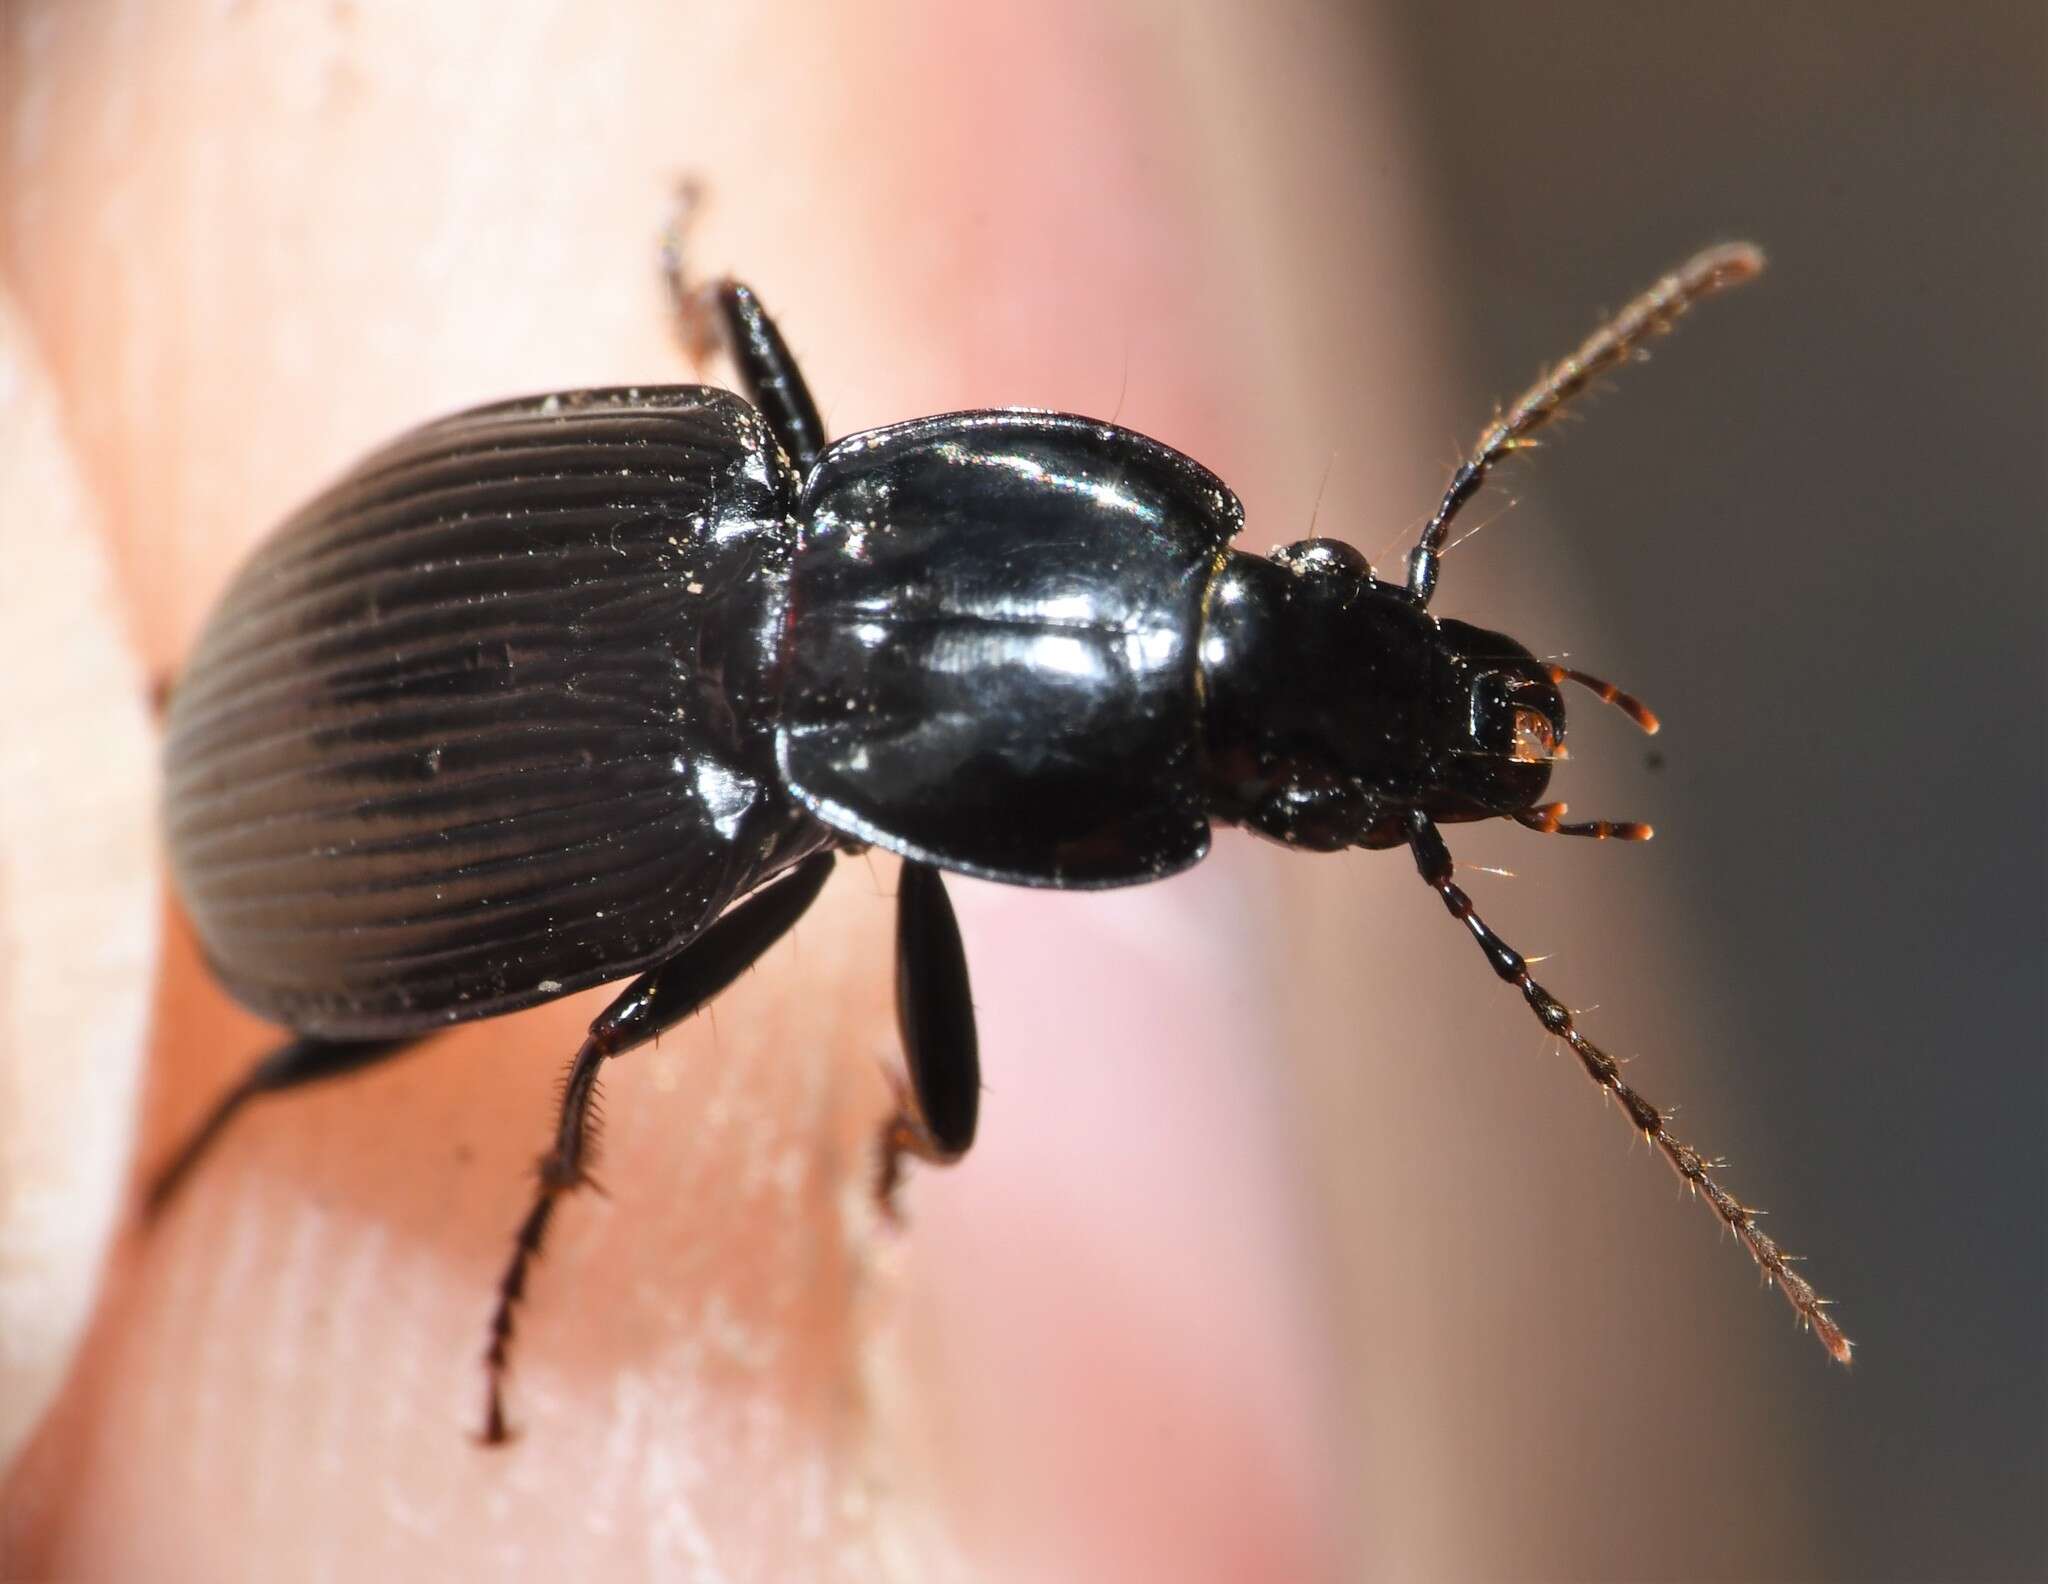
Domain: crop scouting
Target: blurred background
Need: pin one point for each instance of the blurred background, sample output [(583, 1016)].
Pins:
[(1290, 1248), (1818, 543)]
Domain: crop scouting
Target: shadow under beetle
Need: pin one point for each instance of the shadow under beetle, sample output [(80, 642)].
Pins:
[(595, 684)]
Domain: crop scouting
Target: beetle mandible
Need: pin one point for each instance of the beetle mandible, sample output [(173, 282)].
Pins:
[(566, 689)]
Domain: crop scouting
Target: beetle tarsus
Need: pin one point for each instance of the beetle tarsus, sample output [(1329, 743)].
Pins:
[(903, 1137), (170, 1177), (897, 1140), (301, 1061), (659, 999), (511, 1289), (689, 298)]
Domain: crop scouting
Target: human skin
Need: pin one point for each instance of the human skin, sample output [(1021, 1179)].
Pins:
[(1186, 1312)]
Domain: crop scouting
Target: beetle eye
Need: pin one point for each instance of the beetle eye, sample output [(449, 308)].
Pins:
[(1315, 559), (1533, 741)]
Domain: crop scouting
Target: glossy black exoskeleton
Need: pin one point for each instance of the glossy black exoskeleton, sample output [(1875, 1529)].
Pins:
[(562, 690)]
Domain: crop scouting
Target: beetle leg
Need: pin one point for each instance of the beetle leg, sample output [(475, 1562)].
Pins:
[(657, 1000), (935, 1115), (1433, 860), (768, 372), (302, 1061), (1651, 314), (727, 313)]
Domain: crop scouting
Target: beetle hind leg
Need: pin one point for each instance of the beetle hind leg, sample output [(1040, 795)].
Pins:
[(301, 1061), (936, 1110)]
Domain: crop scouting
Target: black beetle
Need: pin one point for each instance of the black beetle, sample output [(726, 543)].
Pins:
[(595, 684)]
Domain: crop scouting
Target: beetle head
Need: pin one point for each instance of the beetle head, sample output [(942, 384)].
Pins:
[(1503, 728), (1514, 733), (1334, 707)]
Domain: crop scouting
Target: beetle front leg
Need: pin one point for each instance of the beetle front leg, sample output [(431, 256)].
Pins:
[(657, 1000), (726, 313), (1433, 860), (935, 1115)]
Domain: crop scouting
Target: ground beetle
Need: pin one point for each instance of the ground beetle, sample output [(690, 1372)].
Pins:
[(565, 689)]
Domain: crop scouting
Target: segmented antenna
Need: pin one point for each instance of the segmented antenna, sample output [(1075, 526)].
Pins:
[(1651, 314)]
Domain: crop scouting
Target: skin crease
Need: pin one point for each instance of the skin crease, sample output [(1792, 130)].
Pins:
[(1185, 1313)]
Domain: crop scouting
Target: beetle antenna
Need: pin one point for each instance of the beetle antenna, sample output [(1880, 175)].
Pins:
[(1631, 706), (1697, 1171), (1651, 314)]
